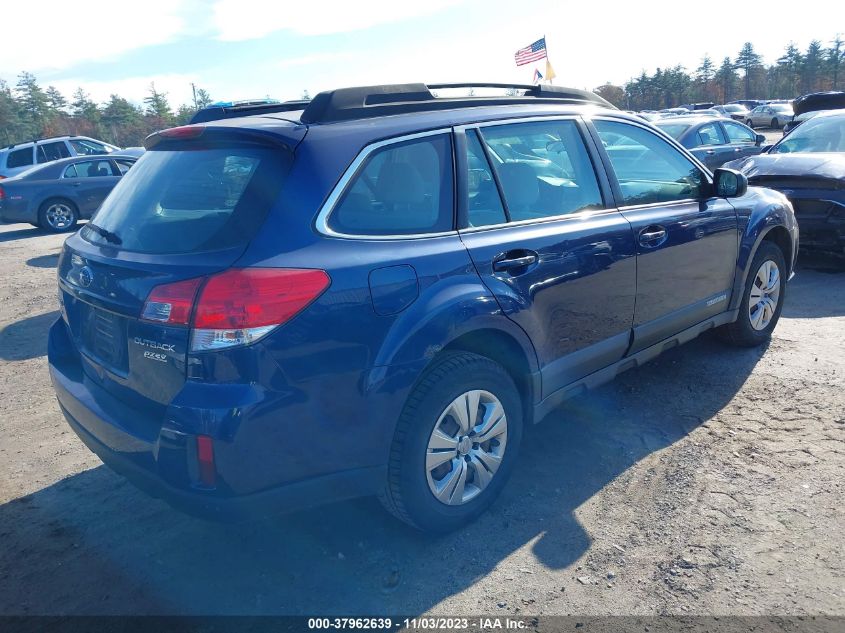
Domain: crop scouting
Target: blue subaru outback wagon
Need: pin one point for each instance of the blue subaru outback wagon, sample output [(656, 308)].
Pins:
[(374, 292)]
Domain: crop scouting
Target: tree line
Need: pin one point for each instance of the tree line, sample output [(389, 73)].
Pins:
[(28, 111), (743, 77)]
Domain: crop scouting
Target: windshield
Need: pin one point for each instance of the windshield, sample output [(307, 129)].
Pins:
[(190, 201), (673, 129), (819, 134)]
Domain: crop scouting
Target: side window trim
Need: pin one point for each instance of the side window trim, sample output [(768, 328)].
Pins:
[(488, 157), (321, 223), (611, 174)]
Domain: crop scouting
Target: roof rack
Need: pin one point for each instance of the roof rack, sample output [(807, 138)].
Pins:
[(345, 104), (216, 112)]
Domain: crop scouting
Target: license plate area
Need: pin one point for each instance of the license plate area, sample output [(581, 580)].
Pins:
[(104, 338)]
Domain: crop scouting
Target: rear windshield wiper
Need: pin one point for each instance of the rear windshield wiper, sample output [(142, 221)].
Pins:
[(105, 233)]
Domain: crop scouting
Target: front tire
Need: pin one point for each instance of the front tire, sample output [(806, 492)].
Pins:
[(775, 123), (455, 444), (762, 299), (58, 215), (749, 123)]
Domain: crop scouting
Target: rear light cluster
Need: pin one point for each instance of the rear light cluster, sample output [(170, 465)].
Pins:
[(2, 193), (235, 307)]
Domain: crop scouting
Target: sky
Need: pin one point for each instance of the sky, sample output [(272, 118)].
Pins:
[(241, 49)]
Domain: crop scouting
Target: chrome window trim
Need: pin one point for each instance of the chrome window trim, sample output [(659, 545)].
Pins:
[(579, 216), (321, 224)]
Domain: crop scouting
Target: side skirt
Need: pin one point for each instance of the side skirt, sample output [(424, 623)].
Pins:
[(548, 404)]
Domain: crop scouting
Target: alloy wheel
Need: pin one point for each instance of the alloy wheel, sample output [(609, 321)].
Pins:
[(59, 216)]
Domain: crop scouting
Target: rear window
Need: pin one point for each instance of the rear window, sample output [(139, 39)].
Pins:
[(19, 158), (192, 201)]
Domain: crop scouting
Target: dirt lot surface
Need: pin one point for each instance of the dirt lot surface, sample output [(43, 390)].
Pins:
[(710, 481)]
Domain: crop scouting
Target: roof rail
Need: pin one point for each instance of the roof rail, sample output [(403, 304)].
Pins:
[(345, 104), (217, 112)]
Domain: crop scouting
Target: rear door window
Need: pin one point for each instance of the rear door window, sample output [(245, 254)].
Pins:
[(185, 201), (710, 134), (95, 169), (52, 151), (739, 133), (543, 168), (404, 188), (20, 158)]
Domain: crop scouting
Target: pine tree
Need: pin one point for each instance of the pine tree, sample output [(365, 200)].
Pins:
[(789, 66), (811, 67), (32, 104), (749, 62), (726, 78), (203, 98), (157, 105), (835, 57)]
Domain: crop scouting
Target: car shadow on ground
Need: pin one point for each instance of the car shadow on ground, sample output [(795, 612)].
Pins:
[(93, 544), (44, 261), (19, 234), (26, 338)]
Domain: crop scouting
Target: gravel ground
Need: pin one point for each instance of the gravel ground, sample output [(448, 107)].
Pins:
[(707, 482)]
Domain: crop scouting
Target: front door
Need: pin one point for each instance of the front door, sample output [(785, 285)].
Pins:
[(558, 259), (686, 238)]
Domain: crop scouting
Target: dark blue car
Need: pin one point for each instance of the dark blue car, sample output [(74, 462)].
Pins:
[(58, 194), (376, 293)]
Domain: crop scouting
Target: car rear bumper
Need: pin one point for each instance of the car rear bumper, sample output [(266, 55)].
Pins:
[(161, 460)]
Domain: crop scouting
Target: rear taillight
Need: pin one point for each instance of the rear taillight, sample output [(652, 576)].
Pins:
[(2, 193), (172, 303), (235, 307)]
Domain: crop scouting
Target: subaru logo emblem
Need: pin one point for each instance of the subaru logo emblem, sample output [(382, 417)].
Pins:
[(86, 276)]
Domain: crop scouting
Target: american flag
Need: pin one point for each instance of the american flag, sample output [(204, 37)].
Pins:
[(531, 53)]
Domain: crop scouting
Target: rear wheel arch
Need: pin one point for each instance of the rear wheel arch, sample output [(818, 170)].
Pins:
[(505, 350)]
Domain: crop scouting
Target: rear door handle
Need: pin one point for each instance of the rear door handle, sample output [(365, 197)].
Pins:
[(710, 151), (652, 236), (509, 262)]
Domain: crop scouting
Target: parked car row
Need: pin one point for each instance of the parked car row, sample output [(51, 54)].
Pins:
[(375, 292)]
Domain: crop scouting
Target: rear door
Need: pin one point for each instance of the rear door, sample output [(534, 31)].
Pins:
[(711, 145), (559, 261), (92, 181), (182, 212), (686, 238), (742, 140)]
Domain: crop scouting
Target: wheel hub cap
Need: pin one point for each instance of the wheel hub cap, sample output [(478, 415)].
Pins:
[(765, 293), (466, 447)]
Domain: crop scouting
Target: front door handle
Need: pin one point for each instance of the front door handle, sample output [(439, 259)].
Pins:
[(710, 151), (652, 236), (510, 261)]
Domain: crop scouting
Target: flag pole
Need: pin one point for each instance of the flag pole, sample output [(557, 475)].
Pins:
[(546, 42)]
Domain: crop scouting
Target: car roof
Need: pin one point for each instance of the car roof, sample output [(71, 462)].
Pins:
[(691, 119)]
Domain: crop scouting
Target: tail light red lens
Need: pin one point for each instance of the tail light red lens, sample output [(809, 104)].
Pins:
[(2, 193), (184, 131), (237, 306), (255, 297), (172, 303)]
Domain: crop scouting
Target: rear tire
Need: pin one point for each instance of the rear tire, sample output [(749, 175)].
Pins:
[(762, 299), (442, 473), (775, 123), (58, 215)]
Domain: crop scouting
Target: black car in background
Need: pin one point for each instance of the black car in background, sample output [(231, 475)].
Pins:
[(807, 106), (808, 166), (56, 195), (712, 141)]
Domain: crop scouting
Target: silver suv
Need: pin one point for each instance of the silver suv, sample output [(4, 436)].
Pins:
[(17, 158)]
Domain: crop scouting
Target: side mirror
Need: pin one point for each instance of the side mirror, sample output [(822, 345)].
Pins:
[(729, 183), (760, 140)]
